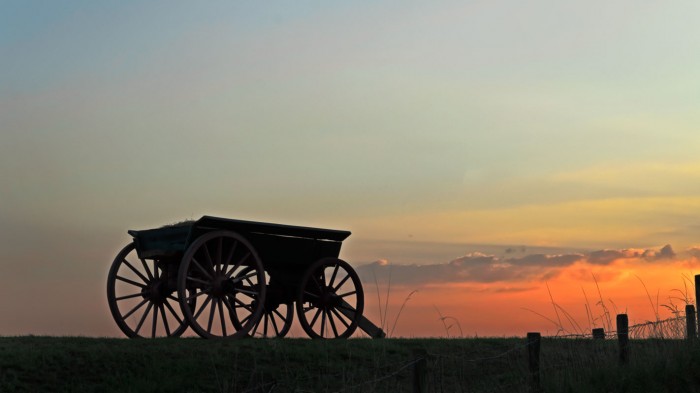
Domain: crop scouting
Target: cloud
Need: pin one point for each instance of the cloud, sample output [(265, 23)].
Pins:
[(483, 268)]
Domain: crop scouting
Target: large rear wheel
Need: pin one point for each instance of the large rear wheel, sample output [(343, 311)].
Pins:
[(221, 271)]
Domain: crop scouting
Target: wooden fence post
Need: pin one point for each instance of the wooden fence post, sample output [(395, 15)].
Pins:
[(623, 337), (697, 296), (533, 358), (599, 334), (690, 322), (420, 371)]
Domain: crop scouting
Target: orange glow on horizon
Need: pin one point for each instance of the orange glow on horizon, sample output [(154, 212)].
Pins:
[(514, 308)]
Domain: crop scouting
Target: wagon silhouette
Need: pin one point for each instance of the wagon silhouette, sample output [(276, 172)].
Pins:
[(233, 278)]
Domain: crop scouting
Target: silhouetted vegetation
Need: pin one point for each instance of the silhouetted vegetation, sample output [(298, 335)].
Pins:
[(356, 365)]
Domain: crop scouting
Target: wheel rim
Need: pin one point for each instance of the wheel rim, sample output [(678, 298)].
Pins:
[(331, 300), (141, 297), (277, 316), (211, 273)]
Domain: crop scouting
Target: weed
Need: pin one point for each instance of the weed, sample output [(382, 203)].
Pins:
[(384, 312), (444, 320)]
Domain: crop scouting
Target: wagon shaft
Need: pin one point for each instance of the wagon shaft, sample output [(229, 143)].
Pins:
[(365, 324)]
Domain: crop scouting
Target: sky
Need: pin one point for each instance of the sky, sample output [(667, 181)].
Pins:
[(479, 151)]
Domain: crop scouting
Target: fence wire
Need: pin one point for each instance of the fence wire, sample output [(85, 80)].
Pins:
[(504, 370)]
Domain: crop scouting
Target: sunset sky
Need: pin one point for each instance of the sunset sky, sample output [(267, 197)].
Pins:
[(478, 150)]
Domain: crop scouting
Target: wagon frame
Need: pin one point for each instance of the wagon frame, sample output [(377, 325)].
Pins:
[(234, 278)]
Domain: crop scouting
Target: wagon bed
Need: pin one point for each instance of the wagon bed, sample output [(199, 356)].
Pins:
[(173, 239)]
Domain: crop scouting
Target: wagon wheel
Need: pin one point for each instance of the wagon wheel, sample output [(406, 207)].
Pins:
[(331, 299), (212, 269), (140, 299), (277, 316)]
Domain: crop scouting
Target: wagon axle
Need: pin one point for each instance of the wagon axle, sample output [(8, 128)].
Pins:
[(221, 286), (157, 291)]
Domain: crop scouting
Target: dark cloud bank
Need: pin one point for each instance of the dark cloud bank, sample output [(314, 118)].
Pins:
[(481, 268)]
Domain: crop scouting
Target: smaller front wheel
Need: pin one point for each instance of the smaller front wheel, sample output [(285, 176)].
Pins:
[(277, 315), (140, 298), (331, 300)]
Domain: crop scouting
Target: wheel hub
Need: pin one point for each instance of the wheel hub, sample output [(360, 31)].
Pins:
[(221, 285), (328, 298), (156, 291)]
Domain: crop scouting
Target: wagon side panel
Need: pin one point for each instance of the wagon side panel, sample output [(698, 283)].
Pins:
[(161, 242), (287, 258)]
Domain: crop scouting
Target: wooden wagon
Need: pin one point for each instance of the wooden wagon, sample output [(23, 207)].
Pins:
[(232, 278)]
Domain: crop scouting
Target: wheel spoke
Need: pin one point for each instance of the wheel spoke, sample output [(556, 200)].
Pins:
[(196, 295), (265, 325), (228, 305), (207, 283), (274, 324), (205, 246), (246, 277), (201, 269), (133, 269), (155, 270), (229, 256), (335, 272), (154, 324), (143, 318), (307, 293), (313, 321), (347, 307), (238, 264), (172, 311), (284, 319), (211, 315), (340, 317), (219, 251), (165, 319), (323, 322), (335, 289), (133, 310), (248, 292), (348, 293), (201, 309), (221, 316), (126, 280), (257, 324), (242, 304), (330, 319), (128, 296), (323, 276), (145, 266)]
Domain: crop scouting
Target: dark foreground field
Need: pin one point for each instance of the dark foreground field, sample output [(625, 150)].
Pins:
[(46, 364)]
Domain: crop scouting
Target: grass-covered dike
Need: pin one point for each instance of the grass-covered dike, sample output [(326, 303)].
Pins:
[(57, 364)]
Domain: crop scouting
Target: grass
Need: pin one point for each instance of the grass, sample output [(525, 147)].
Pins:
[(47, 364)]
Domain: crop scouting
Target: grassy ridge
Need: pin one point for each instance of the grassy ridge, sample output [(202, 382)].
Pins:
[(359, 365)]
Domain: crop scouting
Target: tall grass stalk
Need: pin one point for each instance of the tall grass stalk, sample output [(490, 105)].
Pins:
[(396, 320), (444, 320), (655, 308), (384, 312), (606, 313)]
